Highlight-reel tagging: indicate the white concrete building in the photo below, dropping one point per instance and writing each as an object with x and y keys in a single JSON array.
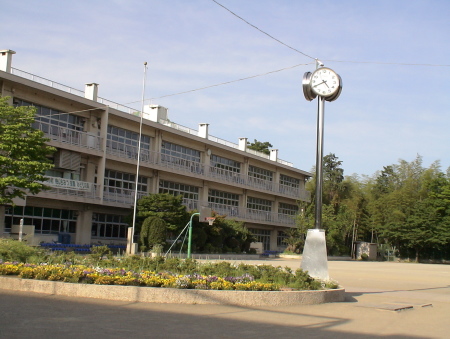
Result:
[{"x": 93, "y": 182}]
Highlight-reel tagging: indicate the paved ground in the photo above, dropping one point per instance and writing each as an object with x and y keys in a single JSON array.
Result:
[{"x": 374, "y": 291}]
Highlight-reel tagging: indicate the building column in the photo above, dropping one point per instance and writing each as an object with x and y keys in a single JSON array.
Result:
[
  {"x": 102, "y": 162},
  {"x": 84, "y": 227},
  {"x": 243, "y": 203},
  {"x": 273, "y": 240},
  {"x": 2, "y": 220},
  {"x": 203, "y": 194},
  {"x": 154, "y": 187}
]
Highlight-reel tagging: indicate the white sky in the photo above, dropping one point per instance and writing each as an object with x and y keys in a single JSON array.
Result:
[{"x": 386, "y": 112}]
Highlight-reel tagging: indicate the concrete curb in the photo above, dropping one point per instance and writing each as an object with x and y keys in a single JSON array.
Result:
[{"x": 173, "y": 295}]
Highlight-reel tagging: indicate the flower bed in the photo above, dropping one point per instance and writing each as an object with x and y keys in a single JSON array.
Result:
[{"x": 115, "y": 276}]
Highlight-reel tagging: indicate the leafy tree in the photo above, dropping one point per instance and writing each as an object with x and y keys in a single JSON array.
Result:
[
  {"x": 224, "y": 235},
  {"x": 260, "y": 146},
  {"x": 153, "y": 232},
  {"x": 23, "y": 153},
  {"x": 164, "y": 206},
  {"x": 412, "y": 214},
  {"x": 333, "y": 176}
]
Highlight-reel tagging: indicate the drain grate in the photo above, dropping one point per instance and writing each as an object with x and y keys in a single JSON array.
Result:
[
  {"x": 389, "y": 307},
  {"x": 397, "y": 306}
]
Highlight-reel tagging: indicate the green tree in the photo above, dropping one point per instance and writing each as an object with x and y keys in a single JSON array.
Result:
[
  {"x": 412, "y": 214},
  {"x": 23, "y": 153},
  {"x": 153, "y": 232},
  {"x": 224, "y": 235},
  {"x": 164, "y": 206},
  {"x": 260, "y": 146}
]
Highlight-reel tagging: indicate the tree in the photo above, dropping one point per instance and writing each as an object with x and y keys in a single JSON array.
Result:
[
  {"x": 23, "y": 153},
  {"x": 224, "y": 235},
  {"x": 260, "y": 146},
  {"x": 153, "y": 232},
  {"x": 164, "y": 206},
  {"x": 412, "y": 215}
]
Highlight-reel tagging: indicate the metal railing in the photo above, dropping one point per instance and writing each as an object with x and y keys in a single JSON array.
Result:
[
  {"x": 134, "y": 111},
  {"x": 77, "y": 189},
  {"x": 69, "y": 136},
  {"x": 178, "y": 127},
  {"x": 121, "y": 195},
  {"x": 130, "y": 152},
  {"x": 248, "y": 214},
  {"x": 183, "y": 165},
  {"x": 46, "y": 82}
]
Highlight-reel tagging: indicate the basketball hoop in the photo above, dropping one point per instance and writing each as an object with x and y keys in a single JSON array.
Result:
[{"x": 210, "y": 220}]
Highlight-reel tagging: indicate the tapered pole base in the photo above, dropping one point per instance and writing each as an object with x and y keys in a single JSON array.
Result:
[{"x": 314, "y": 259}]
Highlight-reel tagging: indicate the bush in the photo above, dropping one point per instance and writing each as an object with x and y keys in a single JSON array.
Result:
[
  {"x": 14, "y": 250},
  {"x": 364, "y": 257},
  {"x": 153, "y": 232},
  {"x": 163, "y": 272}
]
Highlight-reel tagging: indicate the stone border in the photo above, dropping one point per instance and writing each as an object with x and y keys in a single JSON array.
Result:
[{"x": 173, "y": 295}]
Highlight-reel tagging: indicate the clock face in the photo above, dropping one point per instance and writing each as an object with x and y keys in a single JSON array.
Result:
[{"x": 325, "y": 82}]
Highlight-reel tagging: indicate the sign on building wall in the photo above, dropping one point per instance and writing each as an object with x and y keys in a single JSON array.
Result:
[{"x": 69, "y": 184}]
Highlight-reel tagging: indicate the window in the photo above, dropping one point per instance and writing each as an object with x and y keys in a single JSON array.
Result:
[
  {"x": 224, "y": 202},
  {"x": 226, "y": 164},
  {"x": 119, "y": 181},
  {"x": 126, "y": 142},
  {"x": 289, "y": 181},
  {"x": 180, "y": 157},
  {"x": 287, "y": 209},
  {"x": 174, "y": 188},
  {"x": 259, "y": 204},
  {"x": 108, "y": 226},
  {"x": 262, "y": 236},
  {"x": 223, "y": 198},
  {"x": 260, "y": 173},
  {"x": 181, "y": 152},
  {"x": 54, "y": 122},
  {"x": 45, "y": 220},
  {"x": 281, "y": 239}
]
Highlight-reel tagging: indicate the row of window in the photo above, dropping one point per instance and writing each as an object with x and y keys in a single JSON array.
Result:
[
  {"x": 45, "y": 220},
  {"x": 54, "y": 221},
  {"x": 116, "y": 181},
  {"x": 47, "y": 116},
  {"x": 126, "y": 141},
  {"x": 50, "y": 121}
]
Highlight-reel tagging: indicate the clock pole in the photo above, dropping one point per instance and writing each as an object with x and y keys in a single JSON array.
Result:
[
  {"x": 319, "y": 162},
  {"x": 327, "y": 85}
]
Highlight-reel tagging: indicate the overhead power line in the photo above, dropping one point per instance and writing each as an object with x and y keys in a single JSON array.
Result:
[
  {"x": 270, "y": 36},
  {"x": 388, "y": 63},
  {"x": 349, "y": 61},
  {"x": 223, "y": 83}
]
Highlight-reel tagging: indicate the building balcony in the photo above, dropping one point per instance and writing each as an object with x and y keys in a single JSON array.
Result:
[
  {"x": 74, "y": 190},
  {"x": 69, "y": 136},
  {"x": 196, "y": 169},
  {"x": 247, "y": 214},
  {"x": 120, "y": 196}
]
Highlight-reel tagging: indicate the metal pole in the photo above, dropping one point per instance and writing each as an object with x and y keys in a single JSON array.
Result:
[
  {"x": 319, "y": 161},
  {"x": 190, "y": 236},
  {"x": 131, "y": 240}
]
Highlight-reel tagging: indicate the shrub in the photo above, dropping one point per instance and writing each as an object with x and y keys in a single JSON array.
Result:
[
  {"x": 153, "y": 232},
  {"x": 14, "y": 250}
]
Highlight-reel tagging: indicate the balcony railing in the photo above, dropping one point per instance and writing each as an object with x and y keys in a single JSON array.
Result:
[
  {"x": 69, "y": 187},
  {"x": 198, "y": 169},
  {"x": 121, "y": 195},
  {"x": 69, "y": 136},
  {"x": 133, "y": 111},
  {"x": 245, "y": 214}
]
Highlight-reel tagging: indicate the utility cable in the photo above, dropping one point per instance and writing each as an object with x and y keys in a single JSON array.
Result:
[
  {"x": 224, "y": 83},
  {"x": 270, "y": 36}
]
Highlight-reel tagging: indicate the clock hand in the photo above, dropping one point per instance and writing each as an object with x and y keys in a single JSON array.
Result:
[{"x": 321, "y": 83}]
